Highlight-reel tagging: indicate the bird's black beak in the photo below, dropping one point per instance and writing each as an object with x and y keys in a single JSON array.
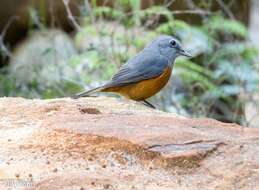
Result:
[{"x": 185, "y": 53}]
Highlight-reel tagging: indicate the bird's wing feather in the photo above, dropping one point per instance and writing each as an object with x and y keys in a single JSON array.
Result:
[{"x": 142, "y": 67}]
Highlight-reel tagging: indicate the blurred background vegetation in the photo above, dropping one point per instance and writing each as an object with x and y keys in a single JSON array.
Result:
[{"x": 58, "y": 48}]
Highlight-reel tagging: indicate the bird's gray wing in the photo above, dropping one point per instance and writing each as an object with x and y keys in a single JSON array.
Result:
[{"x": 143, "y": 66}]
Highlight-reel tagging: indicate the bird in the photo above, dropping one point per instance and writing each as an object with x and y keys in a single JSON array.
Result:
[{"x": 145, "y": 74}]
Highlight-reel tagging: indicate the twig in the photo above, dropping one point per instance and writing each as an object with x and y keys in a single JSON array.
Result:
[
  {"x": 52, "y": 15},
  {"x": 192, "y": 6},
  {"x": 168, "y": 3},
  {"x": 70, "y": 16},
  {"x": 89, "y": 10},
  {"x": 225, "y": 9},
  {"x": 2, "y": 36},
  {"x": 8, "y": 24},
  {"x": 200, "y": 12}
]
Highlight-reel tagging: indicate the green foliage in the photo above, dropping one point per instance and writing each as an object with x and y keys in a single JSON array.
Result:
[
  {"x": 194, "y": 73},
  {"x": 108, "y": 12},
  {"x": 155, "y": 10},
  {"x": 219, "y": 24},
  {"x": 229, "y": 67}
]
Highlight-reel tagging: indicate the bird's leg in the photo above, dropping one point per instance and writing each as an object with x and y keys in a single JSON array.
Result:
[{"x": 149, "y": 104}]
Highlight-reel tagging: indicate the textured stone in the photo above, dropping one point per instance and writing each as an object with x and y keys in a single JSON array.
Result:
[{"x": 104, "y": 143}]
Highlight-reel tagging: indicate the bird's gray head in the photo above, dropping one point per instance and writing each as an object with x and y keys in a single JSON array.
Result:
[{"x": 167, "y": 46}]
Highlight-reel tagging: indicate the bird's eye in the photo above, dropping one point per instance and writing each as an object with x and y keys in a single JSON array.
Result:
[{"x": 173, "y": 43}]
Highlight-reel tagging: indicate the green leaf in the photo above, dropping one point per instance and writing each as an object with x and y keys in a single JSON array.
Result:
[
  {"x": 193, "y": 73},
  {"x": 220, "y": 24}
]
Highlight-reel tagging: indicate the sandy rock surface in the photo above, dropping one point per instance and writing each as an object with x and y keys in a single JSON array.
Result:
[{"x": 104, "y": 143}]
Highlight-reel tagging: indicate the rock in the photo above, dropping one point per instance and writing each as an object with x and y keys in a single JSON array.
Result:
[
  {"x": 251, "y": 110},
  {"x": 104, "y": 143},
  {"x": 42, "y": 56},
  {"x": 42, "y": 61}
]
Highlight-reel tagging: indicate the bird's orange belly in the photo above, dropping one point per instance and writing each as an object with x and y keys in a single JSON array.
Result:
[{"x": 144, "y": 89}]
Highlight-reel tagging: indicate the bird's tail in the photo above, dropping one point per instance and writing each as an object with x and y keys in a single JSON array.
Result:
[{"x": 87, "y": 93}]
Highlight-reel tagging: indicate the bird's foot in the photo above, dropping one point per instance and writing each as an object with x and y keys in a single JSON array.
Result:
[{"x": 146, "y": 103}]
